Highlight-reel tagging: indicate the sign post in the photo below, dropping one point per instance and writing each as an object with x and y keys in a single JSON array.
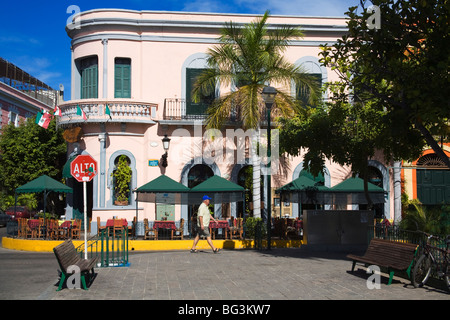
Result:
[{"x": 84, "y": 168}]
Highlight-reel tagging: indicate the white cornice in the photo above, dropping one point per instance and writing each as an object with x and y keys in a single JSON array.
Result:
[
  {"x": 130, "y": 37},
  {"x": 101, "y": 23}
]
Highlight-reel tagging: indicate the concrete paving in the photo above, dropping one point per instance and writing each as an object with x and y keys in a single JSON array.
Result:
[{"x": 279, "y": 274}]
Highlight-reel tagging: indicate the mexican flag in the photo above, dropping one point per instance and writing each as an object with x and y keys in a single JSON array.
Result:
[
  {"x": 57, "y": 111},
  {"x": 80, "y": 112},
  {"x": 43, "y": 119},
  {"x": 108, "y": 111}
]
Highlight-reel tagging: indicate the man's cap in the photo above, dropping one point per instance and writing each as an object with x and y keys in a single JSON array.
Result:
[{"x": 206, "y": 198}]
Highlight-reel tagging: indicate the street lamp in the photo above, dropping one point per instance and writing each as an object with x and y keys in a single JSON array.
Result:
[
  {"x": 166, "y": 144},
  {"x": 269, "y": 94}
]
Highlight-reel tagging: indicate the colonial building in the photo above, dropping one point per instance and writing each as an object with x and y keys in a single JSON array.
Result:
[{"x": 132, "y": 75}]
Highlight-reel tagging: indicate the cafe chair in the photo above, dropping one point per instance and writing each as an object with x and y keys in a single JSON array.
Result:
[
  {"x": 236, "y": 228},
  {"x": 76, "y": 229},
  {"x": 22, "y": 227},
  {"x": 149, "y": 233},
  {"x": 40, "y": 229},
  {"x": 179, "y": 231}
]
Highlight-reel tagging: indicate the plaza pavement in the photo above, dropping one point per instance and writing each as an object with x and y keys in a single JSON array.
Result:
[{"x": 235, "y": 275}]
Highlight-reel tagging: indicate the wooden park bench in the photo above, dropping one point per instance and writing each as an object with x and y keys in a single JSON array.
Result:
[
  {"x": 67, "y": 256},
  {"x": 395, "y": 256}
]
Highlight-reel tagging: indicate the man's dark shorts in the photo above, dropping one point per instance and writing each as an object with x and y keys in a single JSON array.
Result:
[{"x": 204, "y": 232}]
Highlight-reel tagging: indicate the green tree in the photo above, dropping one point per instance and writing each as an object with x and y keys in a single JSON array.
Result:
[
  {"x": 387, "y": 96},
  {"x": 29, "y": 151},
  {"x": 250, "y": 57},
  {"x": 400, "y": 67}
]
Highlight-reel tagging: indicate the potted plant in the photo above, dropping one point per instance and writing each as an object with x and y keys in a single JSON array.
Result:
[{"x": 122, "y": 179}]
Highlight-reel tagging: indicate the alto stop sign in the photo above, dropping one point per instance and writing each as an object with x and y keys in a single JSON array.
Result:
[{"x": 83, "y": 168}]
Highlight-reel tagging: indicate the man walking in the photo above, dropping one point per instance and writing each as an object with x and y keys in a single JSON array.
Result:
[{"x": 203, "y": 218}]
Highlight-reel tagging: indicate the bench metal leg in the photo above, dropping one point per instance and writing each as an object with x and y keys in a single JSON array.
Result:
[
  {"x": 61, "y": 282},
  {"x": 353, "y": 265},
  {"x": 391, "y": 276},
  {"x": 83, "y": 281}
]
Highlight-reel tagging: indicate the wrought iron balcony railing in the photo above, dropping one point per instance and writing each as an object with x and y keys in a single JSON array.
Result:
[
  {"x": 177, "y": 109},
  {"x": 96, "y": 111}
]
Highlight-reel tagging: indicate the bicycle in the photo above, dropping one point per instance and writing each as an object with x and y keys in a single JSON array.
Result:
[{"x": 427, "y": 261}]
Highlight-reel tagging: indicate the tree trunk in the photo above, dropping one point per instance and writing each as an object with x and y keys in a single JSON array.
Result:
[{"x": 256, "y": 162}]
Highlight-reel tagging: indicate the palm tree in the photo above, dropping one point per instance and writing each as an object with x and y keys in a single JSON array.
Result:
[{"x": 249, "y": 58}]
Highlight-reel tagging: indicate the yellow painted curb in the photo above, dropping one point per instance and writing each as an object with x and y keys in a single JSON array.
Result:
[{"x": 146, "y": 245}]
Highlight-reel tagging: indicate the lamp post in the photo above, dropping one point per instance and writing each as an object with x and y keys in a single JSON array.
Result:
[
  {"x": 166, "y": 144},
  {"x": 269, "y": 94}
]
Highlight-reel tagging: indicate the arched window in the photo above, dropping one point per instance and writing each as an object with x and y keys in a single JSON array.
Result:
[
  {"x": 198, "y": 174},
  {"x": 122, "y": 177}
]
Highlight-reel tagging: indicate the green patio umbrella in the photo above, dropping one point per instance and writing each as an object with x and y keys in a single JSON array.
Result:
[
  {"x": 162, "y": 190},
  {"x": 43, "y": 184},
  {"x": 219, "y": 189},
  {"x": 305, "y": 190},
  {"x": 352, "y": 190}
]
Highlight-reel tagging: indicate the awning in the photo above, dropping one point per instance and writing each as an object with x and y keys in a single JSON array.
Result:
[
  {"x": 305, "y": 190},
  {"x": 44, "y": 184},
  {"x": 66, "y": 168},
  {"x": 219, "y": 189},
  {"x": 162, "y": 190},
  {"x": 166, "y": 190},
  {"x": 352, "y": 191}
]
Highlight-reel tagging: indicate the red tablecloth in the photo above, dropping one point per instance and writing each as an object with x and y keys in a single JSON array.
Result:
[
  {"x": 66, "y": 224},
  {"x": 33, "y": 223},
  {"x": 164, "y": 225},
  {"x": 110, "y": 222},
  {"x": 219, "y": 224}
]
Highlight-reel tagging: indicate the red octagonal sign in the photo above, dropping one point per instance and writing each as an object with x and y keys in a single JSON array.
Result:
[{"x": 83, "y": 168}]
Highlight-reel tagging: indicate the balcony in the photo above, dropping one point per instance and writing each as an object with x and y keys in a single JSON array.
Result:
[
  {"x": 176, "y": 113},
  {"x": 175, "y": 109},
  {"x": 121, "y": 111}
]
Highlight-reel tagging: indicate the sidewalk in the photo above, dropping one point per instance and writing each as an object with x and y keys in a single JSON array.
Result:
[{"x": 279, "y": 274}]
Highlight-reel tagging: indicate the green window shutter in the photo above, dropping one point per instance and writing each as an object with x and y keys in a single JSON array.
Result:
[
  {"x": 122, "y": 78},
  {"x": 193, "y": 108},
  {"x": 89, "y": 78},
  {"x": 433, "y": 186},
  {"x": 303, "y": 93}
]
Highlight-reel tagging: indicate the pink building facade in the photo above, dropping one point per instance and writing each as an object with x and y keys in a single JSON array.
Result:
[{"x": 140, "y": 64}]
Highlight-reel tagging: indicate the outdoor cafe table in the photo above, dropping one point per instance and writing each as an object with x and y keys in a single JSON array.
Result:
[
  {"x": 33, "y": 225},
  {"x": 113, "y": 224},
  {"x": 64, "y": 229},
  {"x": 220, "y": 224},
  {"x": 165, "y": 225}
]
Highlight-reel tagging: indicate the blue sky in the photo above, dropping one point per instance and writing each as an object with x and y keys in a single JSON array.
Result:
[{"x": 33, "y": 37}]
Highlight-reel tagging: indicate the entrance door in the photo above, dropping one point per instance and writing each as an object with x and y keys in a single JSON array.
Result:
[{"x": 198, "y": 174}]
